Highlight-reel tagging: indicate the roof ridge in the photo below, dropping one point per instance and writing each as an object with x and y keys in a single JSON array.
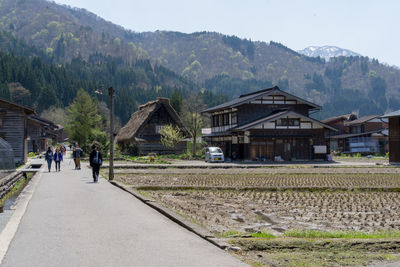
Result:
[
  {"x": 158, "y": 100},
  {"x": 260, "y": 91}
]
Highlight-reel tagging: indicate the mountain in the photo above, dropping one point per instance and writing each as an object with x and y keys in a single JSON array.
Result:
[
  {"x": 327, "y": 51},
  {"x": 222, "y": 64}
]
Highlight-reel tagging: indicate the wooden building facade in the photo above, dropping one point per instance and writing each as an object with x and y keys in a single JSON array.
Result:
[
  {"x": 394, "y": 136},
  {"x": 42, "y": 133},
  {"x": 144, "y": 127},
  {"x": 366, "y": 135},
  {"x": 14, "y": 128},
  {"x": 268, "y": 125}
]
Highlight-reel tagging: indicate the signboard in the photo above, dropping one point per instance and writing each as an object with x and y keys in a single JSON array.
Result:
[{"x": 320, "y": 149}]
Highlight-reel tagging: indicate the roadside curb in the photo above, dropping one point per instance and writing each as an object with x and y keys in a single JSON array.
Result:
[{"x": 192, "y": 227}]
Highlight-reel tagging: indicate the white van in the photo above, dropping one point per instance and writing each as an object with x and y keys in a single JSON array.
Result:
[{"x": 214, "y": 154}]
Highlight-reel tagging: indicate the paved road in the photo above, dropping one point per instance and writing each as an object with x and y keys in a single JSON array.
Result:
[{"x": 71, "y": 221}]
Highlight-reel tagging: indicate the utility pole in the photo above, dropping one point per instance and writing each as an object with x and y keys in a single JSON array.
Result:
[{"x": 111, "y": 92}]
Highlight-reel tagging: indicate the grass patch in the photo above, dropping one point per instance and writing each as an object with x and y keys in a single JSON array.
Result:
[
  {"x": 263, "y": 235},
  {"x": 324, "y": 252},
  {"x": 145, "y": 194},
  {"x": 147, "y": 159},
  {"x": 228, "y": 233},
  {"x": 18, "y": 187},
  {"x": 316, "y": 259},
  {"x": 341, "y": 234},
  {"x": 234, "y": 233}
]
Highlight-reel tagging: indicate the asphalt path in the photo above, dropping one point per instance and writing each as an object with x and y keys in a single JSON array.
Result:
[{"x": 71, "y": 221}]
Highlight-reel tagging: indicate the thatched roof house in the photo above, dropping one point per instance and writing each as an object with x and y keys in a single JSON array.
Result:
[{"x": 143, "y": 128}]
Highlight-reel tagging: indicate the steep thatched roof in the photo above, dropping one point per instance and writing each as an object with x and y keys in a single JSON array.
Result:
[{"x": 140, "y": 118}]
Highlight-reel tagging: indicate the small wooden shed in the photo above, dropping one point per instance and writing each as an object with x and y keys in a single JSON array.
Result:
[
  {"x": 394, "y": 136},
  {"x": 143, "y": 129}
]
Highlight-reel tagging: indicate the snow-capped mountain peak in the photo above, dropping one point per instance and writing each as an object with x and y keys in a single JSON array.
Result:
[{"x": 327, "y": 52}]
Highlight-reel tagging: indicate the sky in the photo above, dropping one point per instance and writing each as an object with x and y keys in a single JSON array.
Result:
[{"x": 370, "y": 28}]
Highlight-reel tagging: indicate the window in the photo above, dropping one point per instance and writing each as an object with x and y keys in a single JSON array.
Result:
[
  {"x": 294, "y": 122},
  {"x": 221, "y": 120},
  {"x": 288, "y": 122},
  {"x": 226, "y": 119},
  {"x": 215, "y": 120},
  {"x": 215, "y": 150},
  {"x": 2, "y": 117},
  {"x": 234, "y": 118},
  {"x": 159, "y": 128}
]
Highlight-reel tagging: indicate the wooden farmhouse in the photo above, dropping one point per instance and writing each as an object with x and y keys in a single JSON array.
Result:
[
  {"x": 366, "y": 135},
  {"x": 144, "y": 127},
  {"x": 14, "y": 128},
  {"x": 268, "y": 125},
  {"x": 394, "y": 136}
]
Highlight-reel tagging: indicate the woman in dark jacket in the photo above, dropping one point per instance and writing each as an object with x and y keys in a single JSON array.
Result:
[
  {"x": 95, "y": 162},
  {"x": 58, "y": 157},
  {"x": 49, "y": 157}
]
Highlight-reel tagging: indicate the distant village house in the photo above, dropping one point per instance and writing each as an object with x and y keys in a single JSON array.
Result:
[
  {"x": 268, "y": 125},
  {"x": 366, "y": 135},
  {"x": 394, "y": 136},
  {"x": 144, "y": 128}
]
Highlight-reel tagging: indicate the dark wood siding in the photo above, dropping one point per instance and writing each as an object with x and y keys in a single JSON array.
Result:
[
  {"x": 13, "y": 130},
  {"x": 394, "y": 140},
  {"x": 250, "y": 112}
]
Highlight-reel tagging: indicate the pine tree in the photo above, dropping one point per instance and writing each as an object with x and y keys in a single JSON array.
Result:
[
  {"x": 176, "y": 101},
  {"x": 47, "y": 98},
  {"x": 4, "y": 92},
  {"x": 83, "y": 118}
]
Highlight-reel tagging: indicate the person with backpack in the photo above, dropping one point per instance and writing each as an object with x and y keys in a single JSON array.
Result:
[
  {"x": 49, "y": 157},
  {"x": 96, "y": 160},
  {"x": 78, "y": 155},
  {"x": 58, "y": 157}
]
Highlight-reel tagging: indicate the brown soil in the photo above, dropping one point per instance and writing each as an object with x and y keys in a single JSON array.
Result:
[
  {"x": 279, "y": 211},
  {"x": 265, "y": 180},
  {"x": 276, "y": 170}
]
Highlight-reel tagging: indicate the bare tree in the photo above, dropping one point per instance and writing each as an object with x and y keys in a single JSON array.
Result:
[
  {"x": 56, "y": 115},
  {"x": 193, "y": 105}
]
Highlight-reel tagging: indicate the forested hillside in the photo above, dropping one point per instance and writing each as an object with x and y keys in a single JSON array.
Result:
[
  {"x": 225, "y": 65},
  {"x": 232, "y": 66},
  {"x": 33, "y": 82}
]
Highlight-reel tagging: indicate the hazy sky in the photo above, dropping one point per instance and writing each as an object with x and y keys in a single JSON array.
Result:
[{"x": 368, "y": 27}]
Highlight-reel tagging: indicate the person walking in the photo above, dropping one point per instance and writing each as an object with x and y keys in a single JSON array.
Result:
[
  {"x": 49, "y": 157},
  {"x": 78, "y": 155},
  {"x": 74, "y": 157},
  {"x": 58, "y": 157},
  {"x": 96, "y": 160}
]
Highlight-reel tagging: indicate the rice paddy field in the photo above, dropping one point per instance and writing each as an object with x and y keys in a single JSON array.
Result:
[{"x": 287, "y": 216}]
